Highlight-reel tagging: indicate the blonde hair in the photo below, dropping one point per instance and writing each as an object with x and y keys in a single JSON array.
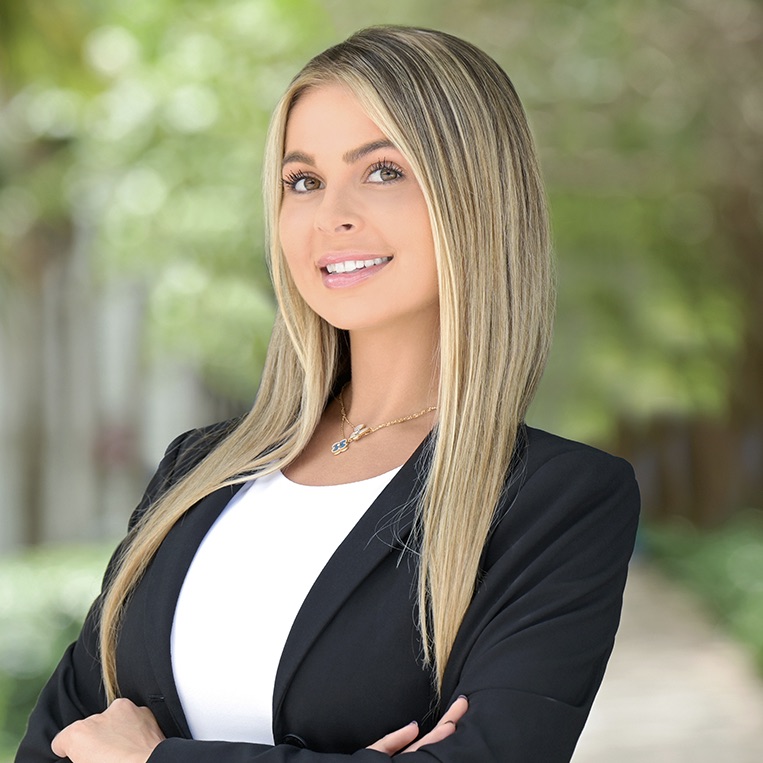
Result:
[{"x": 454, "y": 114}]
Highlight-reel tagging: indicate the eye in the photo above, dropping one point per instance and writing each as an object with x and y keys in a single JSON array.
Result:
[
  {"x": 384, "y": 171},
  {"x": 301, "y": 182}
]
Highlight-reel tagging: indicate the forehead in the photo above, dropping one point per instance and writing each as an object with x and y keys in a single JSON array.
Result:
[{"x": 329, "y": 116}]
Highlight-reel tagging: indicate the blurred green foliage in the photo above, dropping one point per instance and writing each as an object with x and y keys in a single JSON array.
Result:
[
  {"x": 44, "y": 596},
  {"x": 151, "y": 131},
  {"x": 141, "y": 125},
  {"x": 724, "y": 567}
]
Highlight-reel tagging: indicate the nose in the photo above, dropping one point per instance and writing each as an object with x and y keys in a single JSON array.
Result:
[{"x": 337, "y": 213}]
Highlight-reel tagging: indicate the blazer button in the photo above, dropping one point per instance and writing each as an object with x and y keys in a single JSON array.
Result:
[{"x": 294, "y": 740}]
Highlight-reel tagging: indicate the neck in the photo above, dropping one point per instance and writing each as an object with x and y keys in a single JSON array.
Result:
[{"x": 393, "y": 373}]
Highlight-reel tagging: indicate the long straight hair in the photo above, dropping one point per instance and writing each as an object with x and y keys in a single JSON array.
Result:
[{"x": 455, "y": 116}]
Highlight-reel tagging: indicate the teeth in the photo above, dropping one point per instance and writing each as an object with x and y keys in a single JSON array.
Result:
[{"x": 348, "y": 266}]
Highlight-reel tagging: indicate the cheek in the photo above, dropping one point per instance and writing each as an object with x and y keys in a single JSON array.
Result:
[
  {"x": 292, "y": 236},
  {"x": 285, "y": 225}
]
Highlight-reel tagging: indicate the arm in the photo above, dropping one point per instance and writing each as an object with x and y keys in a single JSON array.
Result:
[
  {"x": 74, "y": 690},
  {"x": 533, "y": 647},
  {"x": 128, "y": 734}
]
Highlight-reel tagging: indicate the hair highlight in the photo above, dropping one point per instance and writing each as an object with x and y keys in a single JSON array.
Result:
[{"x": 454, "y": 114}]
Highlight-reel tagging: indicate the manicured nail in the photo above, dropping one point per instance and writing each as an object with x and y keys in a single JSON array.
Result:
[
  {"x": 413, "y": 723},
  {"x": 462, "y": 696}
]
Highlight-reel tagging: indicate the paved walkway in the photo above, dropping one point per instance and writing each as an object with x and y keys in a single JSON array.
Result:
[{"x": 677, "y": 690}]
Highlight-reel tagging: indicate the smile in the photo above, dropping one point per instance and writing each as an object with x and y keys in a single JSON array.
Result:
[{"x": 348, "y": 266}]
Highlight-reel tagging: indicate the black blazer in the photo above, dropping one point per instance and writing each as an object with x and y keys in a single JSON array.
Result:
[{"x": 530, "y": 654}]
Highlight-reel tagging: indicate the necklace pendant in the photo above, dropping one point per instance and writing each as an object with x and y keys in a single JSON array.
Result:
[
  {"x": 358, "y": 432},
  {"x": 340, "y": 446}
]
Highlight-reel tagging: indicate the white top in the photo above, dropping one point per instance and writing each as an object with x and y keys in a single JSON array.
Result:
[{"x": 243, "y": 590}]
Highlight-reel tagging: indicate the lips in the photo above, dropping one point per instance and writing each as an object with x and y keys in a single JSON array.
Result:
[
  {"x": 340, "y": 271},
  {"x": 348, "y": 266}
]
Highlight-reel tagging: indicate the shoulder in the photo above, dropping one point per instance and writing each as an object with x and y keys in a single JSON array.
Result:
[
  {"x": 189, "y": 448},
  {"x": 184, "y": 453},
  {"x": 562, "y": 460},
  {"x": 556, "y": 483}
]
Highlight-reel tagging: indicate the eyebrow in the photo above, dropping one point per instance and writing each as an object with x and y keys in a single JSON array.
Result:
[
  {"x": 348, "y": 158},
  {"x": 358, "y": 153}
]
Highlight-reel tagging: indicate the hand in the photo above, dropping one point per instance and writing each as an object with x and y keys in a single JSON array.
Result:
[
  {"x": 406, "y": 736},
  {"x": 123, "y": 733}
]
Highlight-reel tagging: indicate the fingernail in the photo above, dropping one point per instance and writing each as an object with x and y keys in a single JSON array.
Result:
[
  {"x": 413, "y": 723},
  {"x": 462, "y": 696}
]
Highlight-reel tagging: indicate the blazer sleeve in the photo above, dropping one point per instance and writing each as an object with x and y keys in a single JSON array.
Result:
[
  {"x": 542, "y": 625},
  {"x": 74, "y": 691},
  {"x": 532, "y": 649}
]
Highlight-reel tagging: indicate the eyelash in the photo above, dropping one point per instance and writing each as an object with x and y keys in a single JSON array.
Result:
[
  {"x": 386, "y": 164},
  {"x": 291, "y": 180}
]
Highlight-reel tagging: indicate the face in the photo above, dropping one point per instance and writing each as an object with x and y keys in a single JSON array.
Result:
[{"x": 354, "y": 225}]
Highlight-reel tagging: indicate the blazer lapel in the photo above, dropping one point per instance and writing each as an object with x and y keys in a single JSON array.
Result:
[
  {"x": 378, "y": 533},
  {"x": 164, "y": 580}
]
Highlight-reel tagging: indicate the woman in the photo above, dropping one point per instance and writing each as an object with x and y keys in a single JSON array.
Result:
[{"x": 381, "y": 540}]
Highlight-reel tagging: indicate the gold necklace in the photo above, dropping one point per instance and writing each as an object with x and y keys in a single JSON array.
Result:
[{"x": 361, "y": 430}]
